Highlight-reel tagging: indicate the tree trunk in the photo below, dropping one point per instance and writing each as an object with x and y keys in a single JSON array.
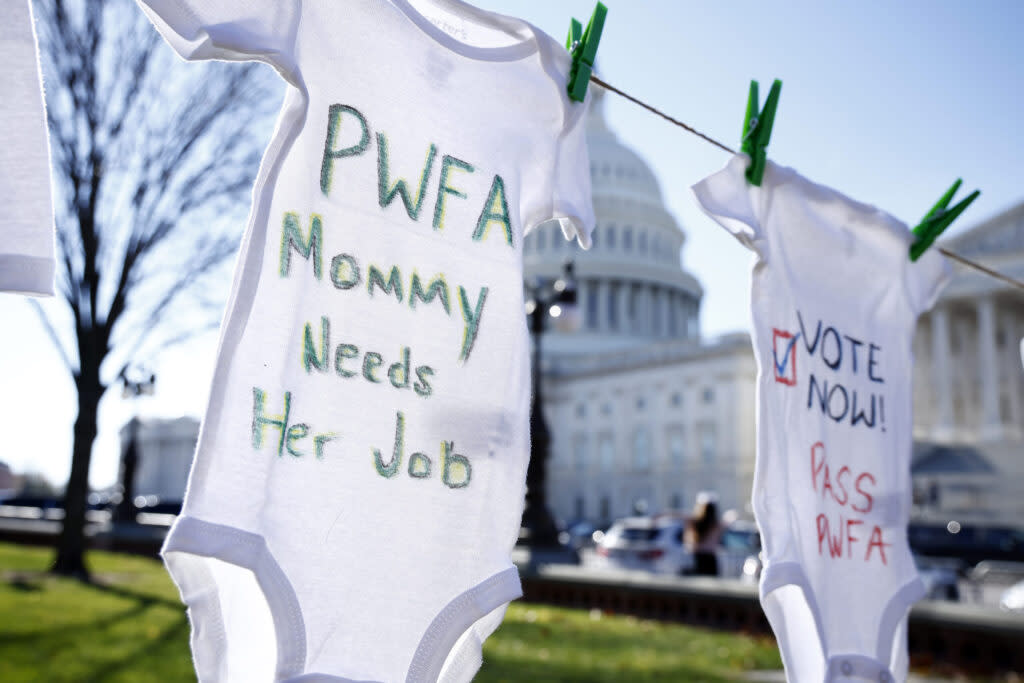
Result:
[{"x": 70, "y": 560}]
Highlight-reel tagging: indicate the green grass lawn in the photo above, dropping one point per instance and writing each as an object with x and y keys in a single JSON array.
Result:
[{"x": 130, "y": 626}]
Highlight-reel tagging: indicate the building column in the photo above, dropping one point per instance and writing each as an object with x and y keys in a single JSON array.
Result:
[
  {"x": 672, "y": 314},
  {"x": 942, "y": 374},
  {"x": 667, "y": 298},
  {"x": 991, "y": 423},
  {"x": 604, "y": 290},
  {"x": 640, "y": 310},
  {"x": 692, "y": 319},
  {"x": 623, "y": 306},
  {"x": 646, "y": 305},
  {"x": 657, "y": 322},
  {"x": 1011, "y": 356},
  {"x": 655, "y": 308},
  {"x": 584, "y": 289}
]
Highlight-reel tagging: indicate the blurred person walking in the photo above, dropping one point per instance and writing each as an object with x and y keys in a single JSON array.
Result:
[{"x": 703, "y": 534}]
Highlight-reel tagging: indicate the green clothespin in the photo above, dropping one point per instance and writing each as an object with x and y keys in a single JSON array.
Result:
[
  {"x": 757, "y": 130},
  {"x": 582, "y": 46},
  {"x": 938, "y": 219}
]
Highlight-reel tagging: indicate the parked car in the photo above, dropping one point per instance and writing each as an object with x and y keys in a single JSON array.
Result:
[
  {"x": 740, "y": 540},
  {"x": 579, "y": 535},
  {"x": 939, "y": 576},
  {"x": 969, "y": 543},
  {"x": 653, "y": 544}
]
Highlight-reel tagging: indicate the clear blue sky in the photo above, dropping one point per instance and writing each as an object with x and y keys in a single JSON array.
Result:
[{"x": 887, "y": 102}]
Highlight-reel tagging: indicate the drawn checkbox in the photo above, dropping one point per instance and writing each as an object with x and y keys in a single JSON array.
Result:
[{"x": 785, "y": 364}]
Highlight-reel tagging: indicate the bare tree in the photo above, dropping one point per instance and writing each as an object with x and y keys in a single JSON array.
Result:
[{"x": 153, "y": 161}]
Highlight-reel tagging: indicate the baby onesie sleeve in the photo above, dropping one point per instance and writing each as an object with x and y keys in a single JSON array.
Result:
[
  {"x": 726, "y": 197},
  {"x": 572, "y": 204},
  {"x": 926, "y": 278},
  {"x": 26, "y": 228},
  {"x": 227, "y": 29}
]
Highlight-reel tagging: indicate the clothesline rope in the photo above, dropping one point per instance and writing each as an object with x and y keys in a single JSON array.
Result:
[{"x": 690, "y": 129}]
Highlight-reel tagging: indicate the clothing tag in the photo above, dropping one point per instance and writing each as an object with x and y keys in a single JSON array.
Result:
[{"x": 453, "y": 26}]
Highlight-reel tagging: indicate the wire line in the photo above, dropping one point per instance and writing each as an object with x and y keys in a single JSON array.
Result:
[{"x": 690, "y": 129}]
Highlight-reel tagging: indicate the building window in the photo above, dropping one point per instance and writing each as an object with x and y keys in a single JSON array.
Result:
[
  {"x": 606, "y": 452},
  {"x": 673, "y": 319},
  {"x": 581, "y": 410},
  {"x": 676, "y": 503},
  {"x": 580, "y": 507},
  {"x": 641, "y": 243},
  {"x": 676, "y": 399},
  {"x": 579, "y": 451},
  {"x": 709, "y": 395},
  {"x": 641, "y": 403},
  {"x": 627, "y": 239},
  {"x": 606, "y": 509},
  {"x": 641, "y": 449},
  {"x": 606, "y": 409},
  {"x": 676, "y": 446},
  {"x": 708, "y": 443},
  {"x": 611, "y": 236}
]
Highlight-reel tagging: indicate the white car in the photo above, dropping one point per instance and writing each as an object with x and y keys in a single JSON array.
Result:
[
  {"x": 653, "y": 544},
  {"x": 740, "y": 540}
]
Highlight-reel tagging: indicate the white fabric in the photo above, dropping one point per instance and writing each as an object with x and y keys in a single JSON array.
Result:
[
  {"x": 26, "y": 227},
  {"x": 835, "y": 299},
  {"x": 371, "y": 570}
]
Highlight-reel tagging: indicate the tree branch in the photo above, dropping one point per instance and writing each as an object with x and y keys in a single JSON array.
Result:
[{"x": 52, "y": 334}]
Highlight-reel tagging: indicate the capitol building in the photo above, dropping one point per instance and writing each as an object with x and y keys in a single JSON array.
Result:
[{"x": 645, "y": 413}]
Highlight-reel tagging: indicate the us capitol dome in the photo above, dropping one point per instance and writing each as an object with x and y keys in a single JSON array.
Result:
[{"x": 631, "y": 287}]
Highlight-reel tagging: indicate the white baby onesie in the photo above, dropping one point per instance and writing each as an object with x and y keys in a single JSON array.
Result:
[
  {"x": 26, "y": 228},
  {"x": 835, "y": 299},
  {"x": 359, "y": 479}
]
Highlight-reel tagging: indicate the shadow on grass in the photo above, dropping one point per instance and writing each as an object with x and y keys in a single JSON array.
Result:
[
  {"x": 105, "y": 621},
  {"x": 499, "y": 668},
  {"x": 22, "y": 586},
  {"x": 577, "y": 652},
  {"x": 96, "y": 631},
  {"x": 144, "y": 598},
  {"x": 24, "y": 583},
  {"x": 165, "y": 645}
]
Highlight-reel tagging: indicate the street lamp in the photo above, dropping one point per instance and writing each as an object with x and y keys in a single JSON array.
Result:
[
  {"x": 555, "y": 299},
  {"x": 125, "y": 510}
]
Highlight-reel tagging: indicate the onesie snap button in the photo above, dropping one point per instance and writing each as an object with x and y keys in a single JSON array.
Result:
[{"x": 846, "y": 668}]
